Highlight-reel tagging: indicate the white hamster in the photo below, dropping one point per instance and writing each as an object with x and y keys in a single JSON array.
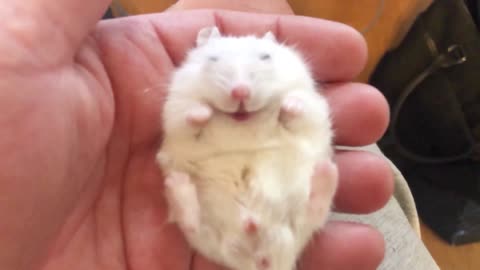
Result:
[{"x": 244, "y": 129}]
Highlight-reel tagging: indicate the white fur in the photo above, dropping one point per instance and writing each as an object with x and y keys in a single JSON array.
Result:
[{"x": 260, "y": 169}]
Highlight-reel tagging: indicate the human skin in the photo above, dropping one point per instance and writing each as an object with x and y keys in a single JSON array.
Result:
[{"x": 81, "y": 123}]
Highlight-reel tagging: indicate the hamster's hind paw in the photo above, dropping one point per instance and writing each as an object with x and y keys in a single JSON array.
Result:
[
  {"x": 199, "y": 115},
  {"x": 182, "y": 200},
  {"x": 324, "y": 186},
  {"x": 163, "y": 159}
]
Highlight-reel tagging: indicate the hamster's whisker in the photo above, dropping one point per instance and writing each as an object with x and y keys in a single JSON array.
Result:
[
  {"x": 222, "y": 80},
  {"x": 221, "y": 85}
]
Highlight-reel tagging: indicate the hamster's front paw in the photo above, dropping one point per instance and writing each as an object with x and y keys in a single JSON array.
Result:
[
  {"x": 199, "y": 115},
  {"x": 291, "y": 110},
  {"x": 292, "y": 106}
]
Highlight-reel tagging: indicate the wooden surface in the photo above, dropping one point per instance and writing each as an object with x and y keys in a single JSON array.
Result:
[
  {"x": 451, "y": 257},
  {"x": 144, "y": 6},
  {"x": 395, "y": 18}
]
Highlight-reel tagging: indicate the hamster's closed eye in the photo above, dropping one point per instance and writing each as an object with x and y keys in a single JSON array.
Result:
[
  {"x": 213, "y": 58},
  {"x": 265, "y": 56}
]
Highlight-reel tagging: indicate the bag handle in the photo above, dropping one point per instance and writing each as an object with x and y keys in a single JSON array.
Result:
[{"x": 454, "y": 55}]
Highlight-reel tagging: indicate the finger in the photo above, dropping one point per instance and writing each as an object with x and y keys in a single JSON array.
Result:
[
  {"x": 335, "y": 51},
  {"x": 366, "y": 182},
  {"x": 54, "y": 26},
  {"x": 360, "y": 113},
  {"x": 344, "y": 246},
  {"x": 201, "y": 263}
]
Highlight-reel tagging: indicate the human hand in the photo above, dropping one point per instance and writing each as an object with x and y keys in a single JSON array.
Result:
[{"x": 80, "y": 127}]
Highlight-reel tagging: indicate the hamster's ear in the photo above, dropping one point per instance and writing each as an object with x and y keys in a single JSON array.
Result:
[
  {"x": 270, "y": 36},
  {"x": 207, "y": 33}
]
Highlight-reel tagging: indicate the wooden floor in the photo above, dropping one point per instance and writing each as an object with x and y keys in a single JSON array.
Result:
[{"x": 451, "y": 257}]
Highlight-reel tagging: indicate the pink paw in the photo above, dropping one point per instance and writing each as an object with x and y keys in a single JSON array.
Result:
[
  {"x": 182, "y": 201},
  {"x": 177, "y": 179},
  {"x": 324, "y": 185},
  {"x": 163, "y": 159},
  {"x": 292, "y": 106},
  {"x": 324, "y": 181},
  {"x": 199, "y": 115}
]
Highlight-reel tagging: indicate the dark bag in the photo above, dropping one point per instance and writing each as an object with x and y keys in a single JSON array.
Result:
[
  {"x": 474, "y": 8},
  {"x": 432, "y": 83}
]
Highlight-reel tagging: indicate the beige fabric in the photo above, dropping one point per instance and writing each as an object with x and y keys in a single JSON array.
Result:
[
  {"x": 399, "y": 223},
  {"x": 405, "y": 200},
  {"x": 404, "y": 248},
  {"x": 402, "y": 192}
]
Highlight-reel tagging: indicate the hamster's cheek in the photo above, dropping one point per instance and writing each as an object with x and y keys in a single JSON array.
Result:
[
  {"x": 256, "y": 102},
  {"x": 223, "y": 105}
]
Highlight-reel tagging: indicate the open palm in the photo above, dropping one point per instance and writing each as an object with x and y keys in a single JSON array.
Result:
[{"x": 80, "y": 124}]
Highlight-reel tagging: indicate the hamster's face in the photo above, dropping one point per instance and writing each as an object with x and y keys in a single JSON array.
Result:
[{"x": 241, "y": 75}]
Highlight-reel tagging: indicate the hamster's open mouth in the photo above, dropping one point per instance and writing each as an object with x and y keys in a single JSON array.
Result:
[{"x": 241, "y": 114}]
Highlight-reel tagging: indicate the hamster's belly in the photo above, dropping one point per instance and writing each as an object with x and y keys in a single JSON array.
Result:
[
  {"x": 275, "y": 173},
  {"x": 270, "y": 185}
]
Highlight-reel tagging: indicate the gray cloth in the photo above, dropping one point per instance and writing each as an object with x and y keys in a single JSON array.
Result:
[{"x": 398, "y": 222}]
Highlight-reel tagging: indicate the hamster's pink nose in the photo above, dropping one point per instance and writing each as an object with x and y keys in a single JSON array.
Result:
[{"x": 240, "y": 93}]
